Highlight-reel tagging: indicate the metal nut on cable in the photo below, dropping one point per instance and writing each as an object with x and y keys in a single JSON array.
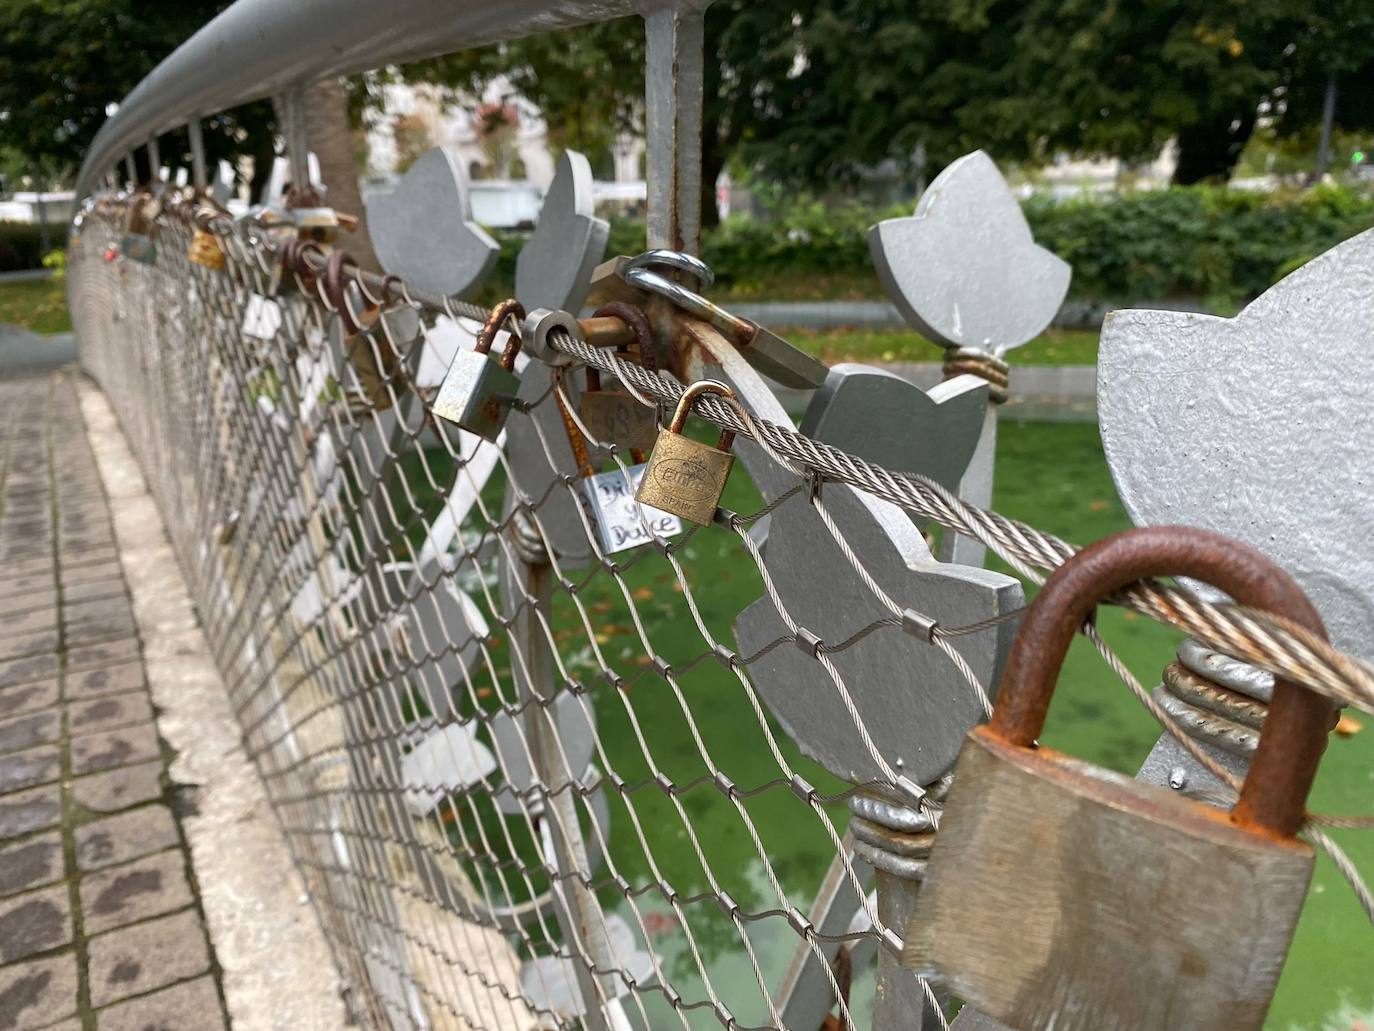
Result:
[{"x": 535, "y": 331}]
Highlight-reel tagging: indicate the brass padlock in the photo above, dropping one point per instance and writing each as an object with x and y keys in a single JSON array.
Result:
[
  {"x": 1059, "y": 894},
  {"x": 206, "y": 250},
  {"x": 615, "y": 416},
  {"x": 137, "y": 242},
  {"x": 685, "y": 477},
  {"x": 477, "y": 390}
]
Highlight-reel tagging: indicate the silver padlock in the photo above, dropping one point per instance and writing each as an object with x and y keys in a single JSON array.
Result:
[{"x": 478, "y": 390}]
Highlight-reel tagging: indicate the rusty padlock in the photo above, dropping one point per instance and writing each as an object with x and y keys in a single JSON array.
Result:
[
  {"x": 685, "y": 477},
  {"x": 615, "y": 416},
  {"x": 1059, "y": 894},
  {"x": 477, "y": 391},
  {"x": 376, "y": 366},
  {"x": 138, "y": 242}
]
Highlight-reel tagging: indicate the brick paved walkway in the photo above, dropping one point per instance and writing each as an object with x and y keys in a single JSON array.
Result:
[{"x": 100, "y": 925}]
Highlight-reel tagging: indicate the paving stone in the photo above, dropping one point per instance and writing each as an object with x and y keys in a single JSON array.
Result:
[
  {"x": 11, "y": 585},
  {"x": 25, "y": 645},
  {"x": 29, "y": 864},
  {"x": 31, "y": 810},
  {"x": 29, "y": 669},
  {"x": 92, "y": 633},
  {"x": 92, "y": 683},
  {"x": 192, "y": 1006},
  {"x": 120, "y": 788},
  {"x": 35, "y": 921},
  {"x": 134, "y": 891},
  {"x": 94, "y": 752},
  {"x": 90, "y": 590},
  {"x": 97, "y": 609},
  {"x": 100, "y": 554},
  {"x": 27, "y": 697},
  {"x": 32, "y": 622},
  {"x": 103, "y": 654},
  {"x": 109, "y": 712},
  {"x": 34, "y": 994},
  {"x": 138, "y": 959},
  {"x": 82, "y": 571},
  {"x": 117, "y": 839},
  {"x": 28, "y": 769},
  {"x": 34, "y": 728},
  {"x": 30, "y": 566}
]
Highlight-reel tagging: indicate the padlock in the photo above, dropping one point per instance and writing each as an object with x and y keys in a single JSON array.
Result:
[
  {"x": 376, "y": 368},
  {"x": 1059, "y": 894},
  {"x": 477, "y": 391},
  {"x": 685, "y": 477},
  {"x": 615, "y": 416},
  {"x": 206, "y": 250},
  {"x": 137, "y": 242}
]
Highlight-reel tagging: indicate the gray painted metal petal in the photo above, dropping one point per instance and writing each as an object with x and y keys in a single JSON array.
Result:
[
  {"x": 964, "y": 270},
  {"x": 1259, "y": 427},
  {"x": 422, "y": 228},
  {"x": 556, "y": 265},
  {"x": 913, "y": 702},
  {"x": 886, "y": 419}
]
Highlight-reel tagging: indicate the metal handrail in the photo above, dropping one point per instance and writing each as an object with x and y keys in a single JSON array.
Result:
[{"x": 258, "y": 48}]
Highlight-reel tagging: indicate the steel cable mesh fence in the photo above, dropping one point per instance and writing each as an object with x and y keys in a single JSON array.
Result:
[{"x": 517, "y": 773}]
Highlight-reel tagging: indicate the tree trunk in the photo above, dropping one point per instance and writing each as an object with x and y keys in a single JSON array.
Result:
[
  {"x": 1208, "y": 151},
  {"x": 331, "y": 138}
]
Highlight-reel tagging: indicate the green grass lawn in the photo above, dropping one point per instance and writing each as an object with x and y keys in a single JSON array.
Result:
[
  {"x": 42, "y": 307},
  {"x": 1051, "y": 475},
  {"x": 1053, "y": 347},
  {"x": 38, "y": 305}
]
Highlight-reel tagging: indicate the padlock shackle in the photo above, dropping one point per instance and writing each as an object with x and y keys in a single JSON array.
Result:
[
  {"x": 1273, "y": 798},
  {"x": 689, "y": 397},
  {"x": 638, "y": 324},
  {"x": 335, "y": 289},
  {"x": 497, "y": 319}
]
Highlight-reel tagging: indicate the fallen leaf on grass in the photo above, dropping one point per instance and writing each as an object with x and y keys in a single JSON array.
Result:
[{"x": 1348, "y": 726}]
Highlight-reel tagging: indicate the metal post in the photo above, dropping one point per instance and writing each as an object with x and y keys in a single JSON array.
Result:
[
  {"x": 132, "y": 168},
  {"x": 976, "y": 488},
  {"x": 1328, "y": 117},
  {"x": 44, "y": 241},
  {"x": 675, "y": 34},
  {"x": 583, "y": 922},
  {"x": 198, "y": 177},
  {"x": 154, "y": 161},
  {"x": 297, "y": 142}
]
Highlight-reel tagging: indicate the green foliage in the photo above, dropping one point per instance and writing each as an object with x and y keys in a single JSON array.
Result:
[
  {"x": 1220, "y": 245},
  {"x": 62, "y": 62},
  {"x": 56, "y": 263},
  {"x": 1210, "y": 242}
]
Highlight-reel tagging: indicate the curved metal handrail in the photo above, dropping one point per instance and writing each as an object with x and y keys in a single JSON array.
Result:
[{"x": 257, "y": 48}]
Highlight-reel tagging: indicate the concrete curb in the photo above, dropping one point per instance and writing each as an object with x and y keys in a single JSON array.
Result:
[{"x": 278, "y": 972}]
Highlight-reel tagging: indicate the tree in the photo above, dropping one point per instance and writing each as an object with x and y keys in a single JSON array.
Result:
[
  {"x": 64, "y": 62},
  {"x": 818, "y": 94},
  {"x": 1027, "y": 78}
]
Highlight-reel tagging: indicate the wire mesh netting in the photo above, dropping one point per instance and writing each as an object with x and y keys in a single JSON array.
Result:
[
  {"x": 534, "y": 777},
  {"x": 518, "y": 771}
]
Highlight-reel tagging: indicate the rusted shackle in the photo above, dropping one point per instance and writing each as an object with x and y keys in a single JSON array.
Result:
[{"x": 1274, "y": 796}]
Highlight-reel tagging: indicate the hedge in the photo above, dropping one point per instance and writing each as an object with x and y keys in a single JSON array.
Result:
[
  {"x": 1208, "y": 242},
  {"x": 21, "y": 245}
]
